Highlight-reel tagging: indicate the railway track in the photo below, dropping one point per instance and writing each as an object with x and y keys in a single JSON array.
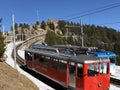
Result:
[
  {"x": 20, "y": 61},
  {"x": 115, "y": 81}
]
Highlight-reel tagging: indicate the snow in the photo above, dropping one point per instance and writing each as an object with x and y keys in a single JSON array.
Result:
[
  {"x": 117, "y": 72},
  {"x": 40, "y": 84},
  {"x": 10, "y": 61},
  {"x": 112, "y": 87}
]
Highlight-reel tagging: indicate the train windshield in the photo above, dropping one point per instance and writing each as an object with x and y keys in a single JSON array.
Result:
[
  {"x": 94, "y": 70},
  {"x": 103, "y": 68},
  {"x": 112, "y": 59}
]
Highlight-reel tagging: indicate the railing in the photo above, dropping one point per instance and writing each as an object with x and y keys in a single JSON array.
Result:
[{"x": 28, "y": 42}]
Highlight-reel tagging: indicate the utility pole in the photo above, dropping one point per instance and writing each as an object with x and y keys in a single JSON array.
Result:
[
  {"x": 81, "y": 31},
  {"x": 3, "y": 30},
  {"x": 14, "y": 46},
  {"x": 37, "y": 15},
  {"x": 6, "y": 38},
  {"x": 82, "y": 34}
]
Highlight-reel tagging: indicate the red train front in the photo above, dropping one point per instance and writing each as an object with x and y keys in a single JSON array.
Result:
[
  {"x": 82, "y": 72},
  {"x": 95, "y": 76}
]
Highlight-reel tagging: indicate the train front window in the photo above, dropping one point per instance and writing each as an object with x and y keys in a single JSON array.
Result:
[
  {"x": 103, "y": 68},
  {"x": 93, "y": 70},
  {"x": 112, "y": 59}
]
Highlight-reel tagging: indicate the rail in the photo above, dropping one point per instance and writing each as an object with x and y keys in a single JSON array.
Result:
[
  {"x": 20, "y": 61},
  {"x": 114, "y": 81}
]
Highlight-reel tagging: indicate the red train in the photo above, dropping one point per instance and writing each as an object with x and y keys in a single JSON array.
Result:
[{"x": 81, "y": 72}]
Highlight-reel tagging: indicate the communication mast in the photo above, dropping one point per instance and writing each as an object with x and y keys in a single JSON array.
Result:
[
  {"x": 82, "y": 34},
  {"x": 37, "y": 15}
]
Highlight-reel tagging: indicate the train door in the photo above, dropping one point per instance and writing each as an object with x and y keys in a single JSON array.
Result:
[
  {"x": 33, "y": 61},
  {"x": 79, "y": 77},
  {"x": 72, "y": 70},
  {"x": 28, "y": 57}
]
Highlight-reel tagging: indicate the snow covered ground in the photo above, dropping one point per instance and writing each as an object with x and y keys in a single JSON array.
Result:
[
  {"x": 40, "y": 84},
  {"x": 117, "y": 72}
]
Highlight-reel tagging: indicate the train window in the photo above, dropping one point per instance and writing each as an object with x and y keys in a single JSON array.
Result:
[
  {"x": 36, "y": 58},
  {"x": 80, "y": 70},
  {"x": 62, "y": 65},
  {"x": 72, "y": 67},
  {"x": 112, "y": 59},
  {"x": 54, "y": 63},
  {"x": 93, "y": 70},
  {"x": 103, "y": 68},
  {"x": 48, "y": 61},
  {"x": 42, "y": 59},
  {"x": 29, "y": 56}
]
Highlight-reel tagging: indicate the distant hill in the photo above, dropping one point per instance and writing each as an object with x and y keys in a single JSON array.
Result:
[{"x": 94, "y": 36}]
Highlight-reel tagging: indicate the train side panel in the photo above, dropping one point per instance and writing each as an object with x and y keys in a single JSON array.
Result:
[
  {"x": 87, "y": 73},
  {"x": 49, "y": 67}
]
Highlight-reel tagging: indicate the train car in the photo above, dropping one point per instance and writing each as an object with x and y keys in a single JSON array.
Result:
[
  {"x": 111, "y": 56},
  {"x": 82, "y": 72},
  {"x": 95, "y": 52},
  {"x": 77, "y": 50}
]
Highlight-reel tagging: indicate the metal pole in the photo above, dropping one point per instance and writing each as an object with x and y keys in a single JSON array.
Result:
[
  {"x": 37, "y": 15},
  {"x": 3, "y": 30},
  {"x": 82, "y": 39},
  {"x": 14, "y": 46},
  {"x": 22, "y": 38},
  {"x": 5, "y": 38}
]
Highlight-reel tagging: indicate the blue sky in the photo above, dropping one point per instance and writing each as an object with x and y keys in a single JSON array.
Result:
[{"x": 26, "y": 11}]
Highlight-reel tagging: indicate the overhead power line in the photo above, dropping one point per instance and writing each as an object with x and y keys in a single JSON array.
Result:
[
  {"x": 90, "y": 12},
  {"x": 110, "y": 23},
  {"x": 98, "y": 11}
]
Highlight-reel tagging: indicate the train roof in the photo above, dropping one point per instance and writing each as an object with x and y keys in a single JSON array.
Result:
[
  {"x": 103, "y": 53},
  {"x": 66, "y": 46},
  {"x": 79, "y": 58},
  {"x": 74, "y": 47},
  {"x": 88, "y": 59}
]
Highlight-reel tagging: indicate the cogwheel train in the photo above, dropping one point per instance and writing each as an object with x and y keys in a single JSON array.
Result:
[
  {"x": 94, "y": 51},
  {"x": 81, "y": 72}
]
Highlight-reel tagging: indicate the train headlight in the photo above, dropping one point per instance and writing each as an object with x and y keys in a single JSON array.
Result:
[{"x": 99, "y": 84}]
